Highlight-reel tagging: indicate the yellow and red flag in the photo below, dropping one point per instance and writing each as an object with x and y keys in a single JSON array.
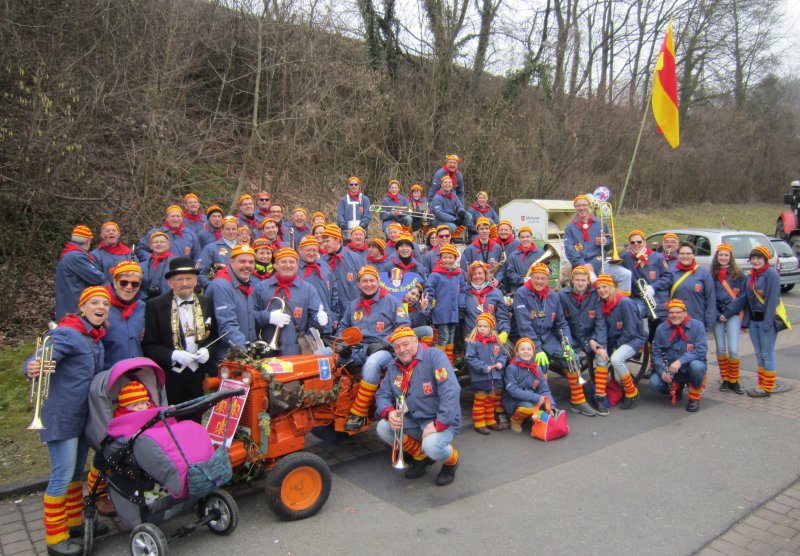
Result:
[{"x": 665, "y": 91}]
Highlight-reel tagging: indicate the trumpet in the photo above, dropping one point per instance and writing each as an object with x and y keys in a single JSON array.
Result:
[
  {"x": 40, "y": 386},
  {"x": 397, "y": 444},
  {"x": 642, "y": 284},
  {"x": 272, "y": 345},
  {"x": 573, "y": 365}
]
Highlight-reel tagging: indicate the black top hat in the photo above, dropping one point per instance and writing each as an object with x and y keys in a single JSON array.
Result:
[{"x": 181, "y": 265}]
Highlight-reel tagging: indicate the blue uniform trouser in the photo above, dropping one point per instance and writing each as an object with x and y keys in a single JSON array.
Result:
[
  {"x": 67, "y": 458},
  {"x": 438, "y": 445},
  {"x": 726, "y": 336},
  {"x": 763, "y": 335},
  {"x": 375, "y": 363},
  {"x": 694, "y": 374}
]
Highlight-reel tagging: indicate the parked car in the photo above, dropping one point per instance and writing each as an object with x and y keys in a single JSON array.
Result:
[
  {"x": 706, "y": 241},
  {"x": 788, "y": 265}
]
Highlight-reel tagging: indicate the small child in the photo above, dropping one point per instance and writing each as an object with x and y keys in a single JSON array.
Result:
[
  {"x": 264, "y": 267},
  {"x": 445, "y": 288},
  {"x": 418, "y": 310},
  {"x": 525, "y": 384},
  {"x": 486, "y": 360},
  {"x": 132, "y": 397}
]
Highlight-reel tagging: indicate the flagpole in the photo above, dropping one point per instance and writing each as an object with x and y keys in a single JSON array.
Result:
[{"x": 635, "y": 149}]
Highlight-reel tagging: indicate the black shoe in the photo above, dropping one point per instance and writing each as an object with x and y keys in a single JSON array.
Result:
[
  {"x": 482, "y": 430},
  {"x": 628, "y": 403},
  {"x": 600, "y": 405},
  {"x": 354, "y": 423},
  {"x": 724, "y": 387},
  {"x": 64, "y": 548},
  {"x": 418, "y": 467},
  {"x": 447, "y": 475},
  {"x": 100, "y": 529},
  {"x": 693, "y": 406},
  {"x": 736, "y": 387}
]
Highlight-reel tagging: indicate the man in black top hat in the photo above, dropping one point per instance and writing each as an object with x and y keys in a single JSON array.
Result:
[{"x": 177, "y": 326}]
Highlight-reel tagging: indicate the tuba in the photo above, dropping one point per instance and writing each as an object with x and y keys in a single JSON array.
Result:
[{"x": 40, "y": 386}]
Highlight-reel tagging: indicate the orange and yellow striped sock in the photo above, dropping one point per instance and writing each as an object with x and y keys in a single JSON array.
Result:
[
  {"x": 576, "y": 395},
  {"x": 521, "y": 414},
  {"x": 694, "y": 392},
  {"x": 427, "y": 340},
  {"x": 724, "y": 367},
  {"x": 435, "y": 339},
  {"x": 453, "y": 459},
  {"x": 413, "y": 447},
  {"x": 92, "y": 478},
  {"x": 488, "y": 410},
  {"x": 767, "y": 383},
  {"x": 600, "y": 380},
  {"x": 448, "y": 349},
  {"x": 498, "y": 402},
  {"x": 73, "y": 506},
  {"x": 458, "y": 232},
  {"x": 629, "y": 386},
  {"x": 479, "y": 410},
  {"x": 366, "y": 393},
  {"x": 55, "y": 519},
  {"x": 733, "y": 370}
]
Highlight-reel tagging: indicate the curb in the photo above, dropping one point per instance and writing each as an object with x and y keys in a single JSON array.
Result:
[{"x": 25, "y": 486}]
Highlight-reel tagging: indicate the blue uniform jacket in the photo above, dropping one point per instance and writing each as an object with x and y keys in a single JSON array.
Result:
[
  {"x": 580, "y": 251},
  {"x": 418, "y": 317},
  {"x": 458, "y": 186},
  {"x": 524, "y": 388},
  {"x": 386, "y": 214},
  {"x": 358, "y": 255},
  {"x": 105, "y": 261},
  {"x": 195, "y": 226},
  {"x": 445, "y": 289},
  {"x": 768, "y": 286},
  {"x": 491, "y": 254},
  {"x": 326, "y": 289},
  {"x": 479, "y": 356},
  {"x": 123, "y": 339},
  {"x": 666, "y": 351},
  {"x": 75, "y": 272},
  {"x": 208, "y": 235},
  {"x": 234, "y": 311},
  {"x": 519, "y": 262},
  {"x": 542, "y": 321},
  {"x": 414, "y": 264},
  {"x": 655, "y": 268},
  {"x": 697, "y": 291},
  {"x": 303, "y": 305},
  {"x": 433, "y": 392},
  {"x": 386, "y": 314},
  {"x": 78, "y": 358},
  {"x": 251, "y": 222},
  {"x": 444, "y": 208},
  {"x": 298, "y": 234},
  {"x": 586, "y": 321},
  {"x": 217, "y": 252},
  {"x": 726, "y": 305},
  {"x": 345, "y": 276},
  {"x": 185, "y": 245},
  {"x": 155, "y": 276},
  {"x": 624, "y": 326},
  {"x": 349, "y": 210},
  {"x": 490, "y": 300}
]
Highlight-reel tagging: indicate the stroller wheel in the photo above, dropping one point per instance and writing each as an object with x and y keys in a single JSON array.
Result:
[
  {"x": 148, "y": 540},
  {"x": 221, "y": 505}
]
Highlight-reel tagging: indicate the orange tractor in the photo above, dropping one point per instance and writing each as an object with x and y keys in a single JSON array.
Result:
[{"x": 289, "y": 396}]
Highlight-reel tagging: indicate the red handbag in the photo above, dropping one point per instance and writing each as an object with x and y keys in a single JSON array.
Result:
[{"x": 547, "y": 426}]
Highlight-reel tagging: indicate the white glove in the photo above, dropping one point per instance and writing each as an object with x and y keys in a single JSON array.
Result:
[
  {"x": 322, "y": 316},
  {"x": 650, "y": 291},
  {"x": 182, "y": 358},
  {"x": 201, "y": 356},
  {"x": 279, "y": 318}
]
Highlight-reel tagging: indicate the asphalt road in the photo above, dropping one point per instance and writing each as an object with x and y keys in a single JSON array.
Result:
[{"x": 655, "y": 480}]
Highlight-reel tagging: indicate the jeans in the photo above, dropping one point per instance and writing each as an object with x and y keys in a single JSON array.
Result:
[
  {"x": 694, "y": 374},
  {"x": 437, "y": 445},
  {"x": 375, "y": 363},
  {"x": 447, "y": 334},
  {"x": 763, "y": 336},
  {"x": 423, "y": 332},
  {"x": 726, "y": 336},
  {"x": 618, "y": 359},
  {"x": 67, "y": 458}
]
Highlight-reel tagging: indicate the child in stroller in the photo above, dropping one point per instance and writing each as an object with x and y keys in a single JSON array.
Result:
[{"x": 157, "y": 466}]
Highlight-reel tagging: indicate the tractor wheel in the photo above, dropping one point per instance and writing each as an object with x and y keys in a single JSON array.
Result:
[{"x": 298, "y": 486}]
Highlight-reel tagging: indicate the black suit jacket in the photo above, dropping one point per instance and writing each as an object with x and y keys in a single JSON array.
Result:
[{"x": 157, "y": 341}]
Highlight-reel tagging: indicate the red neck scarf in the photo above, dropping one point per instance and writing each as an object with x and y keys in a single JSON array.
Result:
[
  {"x": 70, "y": 247},
  {"x": 264, "y": 271},
  {"x": 274, "y": 244},
  {"x": 609, "y": 304},
  {"x": 447, "y": 195},
  {"x": 312, "y": 267},
  {"x": 451, "y": 174},
  {"x": 366, "y": 302},
  {"x": 225, "y": 274},
  {"x": 482, "y": 210},
  {"x": 449, "y": 273},
  {"x": 691, "y": 268},
  {"x": 263, "y": 213},
  {"x": 300, "y": 228},
  {"x": 355, "y": 196},
  {"x": 723, "y": 273},
  {"x": 530, "y": 365},
  {"x": 282, "y": 285},
  {"x": 77, "y": 323},
  {"x": 407, "y": 371},
  {"x": 409, "y": 266},
  {"x": 678, "y": 330},
  {"x": 507, "y": 241},
  {"x": 126, "y": 308},
  {"x": 485, "y": 339},
  {"x": 524, "y": 251},
  {"x": 332, "y": 258},
  {"x": 481, "y": 295},
  {"x": 371, "y": 259},
  {"x": 358, "y": 249},
  {"x": 395, "y": 198},
  {"x": 579, "y": 297},
  {"x": 483, "y": 247},
  {"x": 177, "y": 231},
  {"x": 217, "y": 231},
  {"x": 545, "y": 293},
  {"x": 250, "y": 219},
  {"x": 756, "y": 273},
  {"x": 414, "y": 202},
  {"x": 584, "y": 226},
  {"x": 193, "y": 217},
  {"x": 642, "y": 258},
  {"x": 158, "y": 258},
  {"x": 118, "y": 249}
]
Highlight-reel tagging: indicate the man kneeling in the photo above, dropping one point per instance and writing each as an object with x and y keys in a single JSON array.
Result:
[
  {"x": 679, "y": 355},
  {"x": 424, "y": 379}
]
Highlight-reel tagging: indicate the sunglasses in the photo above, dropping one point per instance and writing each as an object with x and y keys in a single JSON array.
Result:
[
  {"x": 444, "y": 236},
  {"x": 636, "y": 241},
  {"x": 264, "y": 199},
  {"x": 353, "y": 184},
  {"x": 126, "y": 283}
]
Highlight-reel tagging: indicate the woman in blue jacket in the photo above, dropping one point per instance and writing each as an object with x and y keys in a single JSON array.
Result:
[{"x": 729, "y": 286}]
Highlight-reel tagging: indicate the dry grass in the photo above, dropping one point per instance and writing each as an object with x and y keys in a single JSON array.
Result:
[{"x": 760, "y": 217}]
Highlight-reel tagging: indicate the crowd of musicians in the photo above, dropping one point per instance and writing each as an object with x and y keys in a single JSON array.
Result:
[{"x": 204, "y": 278}]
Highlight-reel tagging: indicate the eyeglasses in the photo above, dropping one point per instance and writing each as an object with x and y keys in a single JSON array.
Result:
[
  {"x": 636, "y": 241},
  {"x": 352, "y": 184},
  {"x": 126, "y": 283},
  {"x": 444, "y": 236}
]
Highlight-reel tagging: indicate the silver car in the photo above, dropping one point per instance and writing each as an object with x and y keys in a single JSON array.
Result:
[
  {"x": 788, "y": 268},
  {"x": 706, "y": 241}
]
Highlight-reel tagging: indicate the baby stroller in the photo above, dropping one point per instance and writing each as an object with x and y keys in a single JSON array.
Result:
[{"x": 157, "y": 467}]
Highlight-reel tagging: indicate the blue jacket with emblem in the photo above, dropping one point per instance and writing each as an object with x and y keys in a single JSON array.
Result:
[
  {"x": 669, "y": 346},
  {"x": 377, "y": 323},
  {"x": 487, "y": 300},
  {"x": 519, "y": 262},
  {"x": 123, "y": 338},
  {"x": 344, "y": 267},
  {"x": 326, "y": 288},
  {"x": 624, "y": 325},
  {"x": 183, "y": 244},
  {"x": 234, "y": 311},
  {"x": 585, "y": 318},
  {"x": 105, "y": 260},
  {"x": 650, "y": 267},
  {"x": 524, "y": 387},
  {"x": 491, "y": 254},
  {"x": 541, "y": 320},
  {"x": 216, "y": 252},
  {"x": 302, "y": 305},
  {"x": 349, "y": 211},
  {"x": 768, "y": 286},
  {"x": 727, "y": 306},
  {"x": 75, "y": 272},
  {"x": 696, "y": 290},
  {"x": 578, "y": 250},
  {"x": 481, "y": 355},
  {"x": 445, "y": 289}
]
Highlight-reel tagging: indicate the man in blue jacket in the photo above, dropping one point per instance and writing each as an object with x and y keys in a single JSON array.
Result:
[
  {"x": 450, "y": 169},
  {"x": 75, "y": 272},
  {"x": 353, "y": 208}
]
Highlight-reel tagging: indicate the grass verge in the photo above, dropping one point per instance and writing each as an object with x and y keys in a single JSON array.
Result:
[{"x": 759, "y": 217}]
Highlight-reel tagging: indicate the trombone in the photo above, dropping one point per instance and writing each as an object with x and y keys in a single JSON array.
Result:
[
  {"x": 606, "y": 212},
  {"x": 397, "y": 443},
  {"x": 40, "y": 386},
  {"x": 642, "y": 284},
  {"x": 425, "y": 214}
]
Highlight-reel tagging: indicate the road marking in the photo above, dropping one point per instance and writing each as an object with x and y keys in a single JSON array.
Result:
[{"x": 792, "y": 306}]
